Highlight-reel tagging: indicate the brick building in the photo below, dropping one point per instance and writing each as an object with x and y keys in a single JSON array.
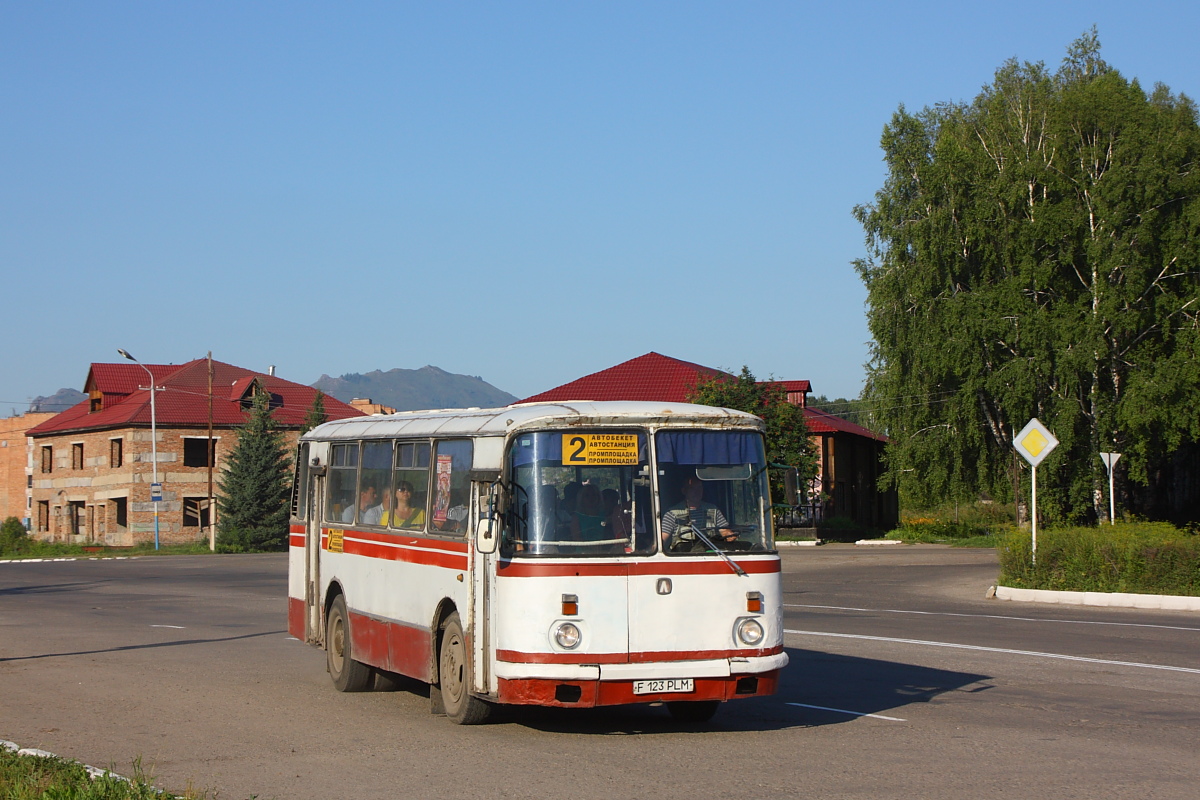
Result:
[
  {"x": 92, "y": 464},
  {"x": 849, "y": 457},
  {"x": 16, "y": 465}
]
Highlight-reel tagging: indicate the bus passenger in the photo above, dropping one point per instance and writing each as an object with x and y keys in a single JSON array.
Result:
[
  {"x": 589, "y": 523},
  {"x": 368, "y": 512},
  {"x": 693, "y": 511},
  {"x": 402, "y": 514}
]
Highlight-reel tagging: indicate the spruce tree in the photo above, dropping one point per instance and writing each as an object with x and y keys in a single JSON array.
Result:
[
  {"x": 255, "y": 487},
  {"x": 316, "y": 414}
]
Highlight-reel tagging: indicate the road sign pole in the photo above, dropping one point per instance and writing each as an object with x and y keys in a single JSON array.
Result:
[
  {"x": 1110, "y": 463},
  {"x": 1033, "y": 510}
]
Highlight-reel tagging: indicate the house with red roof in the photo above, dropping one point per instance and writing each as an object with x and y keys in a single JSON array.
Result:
[
  {"x": 849, "y": 461},
  {"x": 92, "y": 464}
]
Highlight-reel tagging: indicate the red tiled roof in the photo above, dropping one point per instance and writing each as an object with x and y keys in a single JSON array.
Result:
[
  {"x": 652, "y": 377},
  {"x": 823, "y": 422},
  {"x": 181, "y": 398},
  {"x": 658, "y": 378}
]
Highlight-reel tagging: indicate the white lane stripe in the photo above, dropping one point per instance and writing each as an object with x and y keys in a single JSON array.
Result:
[
  {"x": 844, "y": 711},
  {"x": 176, "y": 627},
  {"x": 993, "y": 616},
  {"x": 1032, "y": 653}
]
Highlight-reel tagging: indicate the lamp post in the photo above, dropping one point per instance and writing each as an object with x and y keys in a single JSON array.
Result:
[{"x": 155, "y": 488}]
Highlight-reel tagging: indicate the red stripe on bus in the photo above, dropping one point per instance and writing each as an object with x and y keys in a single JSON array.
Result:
[
  {"x": 412, "y": 554},
  {"x": 526, "y": 569},
  {"x": 517, "y": 657},
  {"x": 392, "y": 646},
  {"x": 296, "y": 529},
  {"x": 296, "y": 539},
  {"x": 296, "y": 617}
]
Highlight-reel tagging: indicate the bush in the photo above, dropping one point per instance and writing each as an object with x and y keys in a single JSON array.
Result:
[
  {"x": 13, "y": 538},
  {"x": 1138, "y": 557}
]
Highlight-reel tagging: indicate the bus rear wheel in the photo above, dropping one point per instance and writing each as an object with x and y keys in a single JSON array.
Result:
[
  {"x": 454, "y": 676},
  {"x": 348, "y": 675},
  {"x": 693, "y": 712}
]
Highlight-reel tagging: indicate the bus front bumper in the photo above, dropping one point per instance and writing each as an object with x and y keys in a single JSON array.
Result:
[{"x": 589, "y": 685}]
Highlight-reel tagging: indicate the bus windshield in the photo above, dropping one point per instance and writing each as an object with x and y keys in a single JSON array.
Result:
[
  {"x": 713, "y": 491},
  {"x": 591, "y": 493}
]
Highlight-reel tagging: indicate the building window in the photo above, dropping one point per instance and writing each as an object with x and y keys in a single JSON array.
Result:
[
  {"x": 43, "y": 516},
  {"x": 77, "y": 455},
  {"x": 75, "y": 512},
  {"x": 116, "y": 453},
  {"x": 120, "y": 511},
  {"x": 47, "y": 458},
  {"x": 194, "y": 452},
  {"x": 195, "y": 512}
]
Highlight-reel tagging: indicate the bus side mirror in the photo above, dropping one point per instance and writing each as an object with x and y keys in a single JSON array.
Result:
[{"x": 487, "y": 532}]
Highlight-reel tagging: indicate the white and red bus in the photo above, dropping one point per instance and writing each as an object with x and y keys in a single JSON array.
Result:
[{"x": 574, "y": 554}]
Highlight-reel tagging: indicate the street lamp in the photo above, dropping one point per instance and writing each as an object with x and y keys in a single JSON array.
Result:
[{"x": 155, "y": 488}]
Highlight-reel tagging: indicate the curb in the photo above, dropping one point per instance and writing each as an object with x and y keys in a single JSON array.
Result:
[
  {"x": 94, "y": 772},
  {"x": 1162, "y": 602},
  {"x": 876, "y": 542},
  {"x": 799, "y": 543}
]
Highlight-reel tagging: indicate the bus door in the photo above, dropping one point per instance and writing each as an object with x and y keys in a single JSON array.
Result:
[
  {"x": 314, "y": 628},
  {"x": 483, "y": 577}
]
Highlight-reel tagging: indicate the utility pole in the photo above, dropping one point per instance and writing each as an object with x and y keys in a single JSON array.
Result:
[{"x": 212, "y": 452}]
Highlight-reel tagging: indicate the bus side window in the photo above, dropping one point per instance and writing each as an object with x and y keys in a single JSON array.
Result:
[
  {"x": 343, "y": 478},
  {"x": 408, "y": 506},
  {"x": 452, "y": 485}
]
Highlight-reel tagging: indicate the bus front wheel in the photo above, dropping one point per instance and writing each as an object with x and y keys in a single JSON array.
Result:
[
  {"x": 454, "y": 676},
  {"x": 348, "y": 675}
]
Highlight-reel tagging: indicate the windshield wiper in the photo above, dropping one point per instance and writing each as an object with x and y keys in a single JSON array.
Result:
[{"x": 733, "y": 564}]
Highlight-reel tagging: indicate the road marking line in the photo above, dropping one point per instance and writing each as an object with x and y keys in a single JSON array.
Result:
[
  {"x": 997, "y": 650},
  {"x": 176, "y": 627},
  {"x": 844, "y": 711},
  {"x": 993, "y": 616}
]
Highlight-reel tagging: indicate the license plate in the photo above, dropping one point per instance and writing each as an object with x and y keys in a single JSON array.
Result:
[{"x": 664, "y": 686}]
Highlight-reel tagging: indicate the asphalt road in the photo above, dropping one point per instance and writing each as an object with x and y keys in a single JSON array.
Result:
[{"x": 905, "y": 682}]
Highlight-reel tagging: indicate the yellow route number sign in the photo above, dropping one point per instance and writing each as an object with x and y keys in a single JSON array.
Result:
[
  {"x": 599, "y": 449},
  {"x": 334, "y": 543}
]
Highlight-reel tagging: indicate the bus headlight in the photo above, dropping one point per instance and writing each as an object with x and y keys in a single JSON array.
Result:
[
  {"x": 567, "y": 635},
  {"x": 749, "y": 631}
]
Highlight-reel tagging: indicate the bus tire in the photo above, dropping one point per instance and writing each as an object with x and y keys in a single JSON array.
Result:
[
  {"x": 348, "y": 675},
  {"x": 454, "y": 676},
  {"x": 693, "y": 712}
]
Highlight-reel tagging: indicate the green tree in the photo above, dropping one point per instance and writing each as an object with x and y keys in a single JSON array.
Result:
[
  {"x": 786, "y": 435},
  {"x": 316, "y": 414},
  {"x": 12, "y": 536},
  {"x": 1034, "y": 253},
  {"x": 254, "y": 489}
]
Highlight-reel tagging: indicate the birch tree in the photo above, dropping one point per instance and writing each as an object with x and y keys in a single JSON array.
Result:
[{"x": 1034, "y": 253}]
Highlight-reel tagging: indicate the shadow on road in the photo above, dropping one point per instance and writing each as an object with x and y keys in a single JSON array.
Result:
[
  {"x": 151, "y": 645},
  {"x": 52, "y": 588},
  {"x": 816, "y": 689}
]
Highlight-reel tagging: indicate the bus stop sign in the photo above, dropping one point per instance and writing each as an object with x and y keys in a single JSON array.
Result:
[{"x": 1034, "y": 442}]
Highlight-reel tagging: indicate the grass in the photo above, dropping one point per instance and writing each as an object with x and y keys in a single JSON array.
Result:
[
  {"x": 33, "y": 548},
  {"x": 29, "y": 777},
  {"x": 1136, "y": 557},
  {"x": 970, "y": 525}
]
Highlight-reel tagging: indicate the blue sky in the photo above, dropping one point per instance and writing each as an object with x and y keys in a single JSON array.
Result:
[{"x": 527, "y": 192}]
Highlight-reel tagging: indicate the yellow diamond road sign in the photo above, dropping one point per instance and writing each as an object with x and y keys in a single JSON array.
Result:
[{"x": 1034, "y": 442}]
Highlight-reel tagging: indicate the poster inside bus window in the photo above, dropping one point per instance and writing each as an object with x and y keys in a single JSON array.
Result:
[
  {"x": 599, "y": 449},
  {"x": 441, "y": 502}
]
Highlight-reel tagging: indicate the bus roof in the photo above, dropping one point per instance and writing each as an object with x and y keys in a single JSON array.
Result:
[{"x": 499, "y": 421}]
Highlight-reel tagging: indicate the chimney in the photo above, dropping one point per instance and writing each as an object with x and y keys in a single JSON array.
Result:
[{"x": 271, "y": 370}]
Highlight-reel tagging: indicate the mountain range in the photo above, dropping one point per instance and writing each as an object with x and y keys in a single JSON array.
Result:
[{"x": 415, "y": 389}]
